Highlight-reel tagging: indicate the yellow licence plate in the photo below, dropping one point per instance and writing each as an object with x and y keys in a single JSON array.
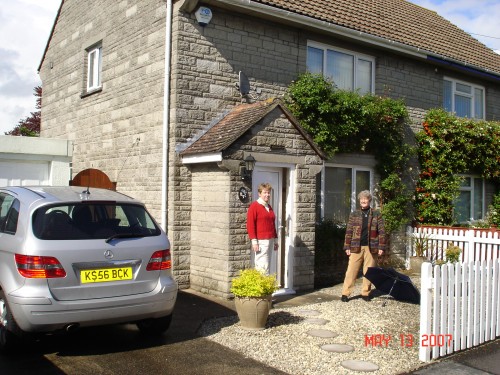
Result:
[{"x": 105, "y": 274}]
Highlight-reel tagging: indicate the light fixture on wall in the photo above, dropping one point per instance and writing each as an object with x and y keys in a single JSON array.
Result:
[{"x": 247, "y": 169}]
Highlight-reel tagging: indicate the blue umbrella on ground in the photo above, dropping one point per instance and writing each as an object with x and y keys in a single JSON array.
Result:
[{"x": 394, "y": 283}]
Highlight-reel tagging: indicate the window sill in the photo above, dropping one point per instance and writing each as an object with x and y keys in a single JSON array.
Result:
[{"x": 91, "y": 92}]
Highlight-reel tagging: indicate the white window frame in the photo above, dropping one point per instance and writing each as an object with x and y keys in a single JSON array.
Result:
[
  {"x": 472, "y": 96},
  {"x": 94, "y": 62},
  {"x": 471, "y": 190},
  {"x": 354, "y": 170},
  {"x": 357, "y": 56}
]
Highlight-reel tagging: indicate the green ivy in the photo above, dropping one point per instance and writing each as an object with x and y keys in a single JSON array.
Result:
[
  {"x": 447, "y": 146},
  {"x": 350, "y": 122}
]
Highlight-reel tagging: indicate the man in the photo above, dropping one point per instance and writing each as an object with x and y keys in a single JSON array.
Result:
[
  {"x": 364, "y": 239},
  {"x": 262, "y": 229}
]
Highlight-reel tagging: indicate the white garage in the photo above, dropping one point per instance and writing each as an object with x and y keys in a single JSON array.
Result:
[{"x": 34, "y": 161}]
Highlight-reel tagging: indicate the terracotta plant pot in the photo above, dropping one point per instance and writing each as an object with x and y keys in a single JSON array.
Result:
[
  {"x": 416, "y": 264},
  {"x": 253, "y": 311}
]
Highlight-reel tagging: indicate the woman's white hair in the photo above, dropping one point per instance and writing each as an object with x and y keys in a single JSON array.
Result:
[{"x": 365, "y": 194}]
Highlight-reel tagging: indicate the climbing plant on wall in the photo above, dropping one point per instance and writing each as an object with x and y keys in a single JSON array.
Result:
[
  {"x": 346, "y": 121},
  {"x": 448, "y": 146}
]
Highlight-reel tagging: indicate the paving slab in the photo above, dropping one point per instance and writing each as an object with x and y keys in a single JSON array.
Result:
[
  {"x": 325, "y": 333},
  {"x": 358, "y": 365}
]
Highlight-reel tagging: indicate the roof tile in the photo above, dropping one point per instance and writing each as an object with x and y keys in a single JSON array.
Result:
[{"x": 399, "y": 21}]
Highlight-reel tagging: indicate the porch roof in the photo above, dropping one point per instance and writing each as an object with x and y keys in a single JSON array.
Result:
[{"x": 224, "y": 132}]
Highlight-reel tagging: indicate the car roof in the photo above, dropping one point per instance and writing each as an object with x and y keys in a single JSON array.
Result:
[{"x": 56, "y": 194}]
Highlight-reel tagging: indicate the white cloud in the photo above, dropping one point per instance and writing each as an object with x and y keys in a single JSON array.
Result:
[
  {"x": 25, "y": 27},
  {"x": 477, "y": 17}
]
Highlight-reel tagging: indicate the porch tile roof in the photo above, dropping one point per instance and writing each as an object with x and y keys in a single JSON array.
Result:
[
  {"x": 398, "y": 21},
  {"x": 234, "y": 124}
]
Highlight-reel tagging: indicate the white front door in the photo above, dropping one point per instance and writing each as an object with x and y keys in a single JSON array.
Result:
[{"x": 280, "y": 201}]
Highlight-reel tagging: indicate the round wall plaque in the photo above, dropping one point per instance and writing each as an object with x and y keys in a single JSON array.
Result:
[{"x": 243, "y": 194}]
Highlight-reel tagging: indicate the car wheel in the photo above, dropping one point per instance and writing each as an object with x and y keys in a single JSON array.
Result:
[
  {"x": 155, "y": 326},
  {"x": 9, "y": 330}
]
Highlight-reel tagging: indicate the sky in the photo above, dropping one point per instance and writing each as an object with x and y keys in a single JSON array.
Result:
[{"x": 25, "y": 27}]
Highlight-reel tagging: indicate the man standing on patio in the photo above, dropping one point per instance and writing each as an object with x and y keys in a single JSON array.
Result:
[{"x": 364, "y": 240}]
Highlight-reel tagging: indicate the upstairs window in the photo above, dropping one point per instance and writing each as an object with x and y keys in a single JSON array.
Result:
[
  {"x": 348, "y": 70},
  {"x": 463, "y": 99},
  {"x": 94, "y": 67}
]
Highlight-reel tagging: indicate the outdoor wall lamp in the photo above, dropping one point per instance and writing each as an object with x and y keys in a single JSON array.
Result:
[{"x": 247, "y": 169}]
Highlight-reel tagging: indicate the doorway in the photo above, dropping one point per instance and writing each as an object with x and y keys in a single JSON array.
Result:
[{"x": 282, "y": 260}]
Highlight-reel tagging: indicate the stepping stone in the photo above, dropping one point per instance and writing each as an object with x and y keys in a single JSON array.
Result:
[
  {"x": 319, "y": 321},
  {"x": 338, "y": 348},
  {"x": 322, "y": 333},
  {"x": 309, "y": 312},
  {"x": 358, "y": 365}
]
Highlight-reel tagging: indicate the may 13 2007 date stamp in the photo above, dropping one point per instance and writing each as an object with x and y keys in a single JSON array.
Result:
[{"x": 408, "y": 340}]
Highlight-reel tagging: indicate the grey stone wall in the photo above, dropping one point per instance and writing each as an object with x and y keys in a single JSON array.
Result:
[
  {"x": 210, "y": 230},
  {"x": 119, "y": 129}
]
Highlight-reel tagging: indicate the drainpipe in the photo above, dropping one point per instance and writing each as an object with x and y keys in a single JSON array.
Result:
[{"x": 166, "y": 116}]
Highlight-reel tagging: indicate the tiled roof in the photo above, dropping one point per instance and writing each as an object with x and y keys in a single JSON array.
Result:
[
  {"x": 232, "y": 126},
  {"x": 398, "y": 21}
]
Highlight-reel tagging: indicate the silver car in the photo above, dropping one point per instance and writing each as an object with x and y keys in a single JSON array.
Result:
[{"x": 73, "y": 257}]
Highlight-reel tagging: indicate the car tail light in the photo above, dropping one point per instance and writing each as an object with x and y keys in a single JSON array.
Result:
[
  {"x": 160, "y": 260},
  {"x": 37, "y": 267}
]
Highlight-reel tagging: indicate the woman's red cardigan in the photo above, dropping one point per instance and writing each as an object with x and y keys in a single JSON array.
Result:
[{"x": 260, "y": 222}]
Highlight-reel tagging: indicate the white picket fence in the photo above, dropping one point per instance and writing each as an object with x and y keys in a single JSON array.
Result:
[
  {"x": 476, "y": 244},
  {"x": 459, "y": 306}
]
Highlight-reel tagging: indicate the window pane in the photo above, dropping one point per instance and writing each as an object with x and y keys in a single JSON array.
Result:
[
  {"x": 91, "y": 70},
  {"x": 362, "y": 183},
  {"x": 340, "y": 67},
  {"x": 463, "y": 207},
  {"x": 478, "y": 199},
  {"x": 338, "y": 189},
  {"x": 464, "y": 88},
  {"x": 11, "y": 222},
  {"x": 478, "y": 103},
  {"x": 315, "y": 60},
  {"x": 92, "y": 221},
  {"x": 364, "y": 76},
  {"x": 94, "y": 68},
  {"x": 462, "y": 106},
  {"x": 447, "y": 95},
  {"x": 466, "y": 182}
]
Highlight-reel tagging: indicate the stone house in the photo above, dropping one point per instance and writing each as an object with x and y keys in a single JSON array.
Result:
[{"x": 168, "y": 99}]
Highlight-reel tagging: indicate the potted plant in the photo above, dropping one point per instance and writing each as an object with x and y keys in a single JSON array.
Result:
[{"x": 252, "y": 291}]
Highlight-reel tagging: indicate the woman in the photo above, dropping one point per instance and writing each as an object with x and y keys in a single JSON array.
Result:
[{"x": 262, "y": 229}]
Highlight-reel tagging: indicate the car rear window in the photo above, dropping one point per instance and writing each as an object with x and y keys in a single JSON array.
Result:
[{"x": 90, "y": 220}]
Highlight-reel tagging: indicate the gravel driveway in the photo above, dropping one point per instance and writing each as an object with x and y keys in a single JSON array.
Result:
[{"x": 385, "y": 334}]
